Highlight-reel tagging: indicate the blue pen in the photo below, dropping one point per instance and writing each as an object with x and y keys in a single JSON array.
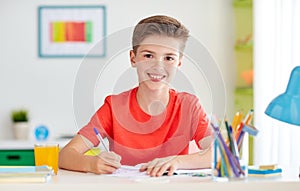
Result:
[{"x": 100, "y": 139}]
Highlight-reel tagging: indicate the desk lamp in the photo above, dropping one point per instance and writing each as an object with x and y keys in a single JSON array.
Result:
[{"x": 286, "y": 106}]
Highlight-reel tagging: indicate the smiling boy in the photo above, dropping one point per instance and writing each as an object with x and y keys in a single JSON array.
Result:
[{"x": 150, "y": 124}]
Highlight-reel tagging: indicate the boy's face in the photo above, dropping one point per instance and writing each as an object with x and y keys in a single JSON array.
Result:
[{"x": 156, "y": 60}]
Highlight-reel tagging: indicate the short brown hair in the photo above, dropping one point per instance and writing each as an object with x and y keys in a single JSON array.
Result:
[{"x": 159, "y": 25}]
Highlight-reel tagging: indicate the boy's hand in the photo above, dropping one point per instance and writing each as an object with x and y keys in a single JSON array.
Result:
[
  {"x": 106, "y": 163},
  {"x": 159, "y": 166}
]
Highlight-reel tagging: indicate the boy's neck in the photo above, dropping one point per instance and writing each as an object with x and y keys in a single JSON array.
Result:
[{"x": 153, "y": 102}]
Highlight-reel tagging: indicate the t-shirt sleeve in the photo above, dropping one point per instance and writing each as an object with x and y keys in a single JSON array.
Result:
[
  {"x": 203, "y": 128},
  {"x": 100, "y": 120}
]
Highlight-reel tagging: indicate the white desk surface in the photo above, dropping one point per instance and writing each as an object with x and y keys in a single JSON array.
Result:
[
  {"x": 27, "y": 144},
  {"x": 73, "y": 181}
]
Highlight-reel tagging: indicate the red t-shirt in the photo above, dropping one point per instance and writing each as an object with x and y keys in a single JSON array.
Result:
[{"x": 139, "y": 137}]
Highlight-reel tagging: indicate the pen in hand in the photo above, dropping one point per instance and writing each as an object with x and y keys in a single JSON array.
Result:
[
  {"x": 100, "y": 139},
  {"x": 110, "y": 157}
]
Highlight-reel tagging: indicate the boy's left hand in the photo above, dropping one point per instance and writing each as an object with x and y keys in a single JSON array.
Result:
[{"x": 159, "y": 166}]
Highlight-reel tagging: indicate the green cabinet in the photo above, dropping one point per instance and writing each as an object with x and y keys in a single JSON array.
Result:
[{"x": 17, "y": 157}]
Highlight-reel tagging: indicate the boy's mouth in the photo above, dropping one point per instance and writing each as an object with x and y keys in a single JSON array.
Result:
[{"x": 156, "y": 77}]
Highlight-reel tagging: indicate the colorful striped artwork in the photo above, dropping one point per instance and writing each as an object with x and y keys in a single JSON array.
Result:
[{"x": 70, "y": 31}]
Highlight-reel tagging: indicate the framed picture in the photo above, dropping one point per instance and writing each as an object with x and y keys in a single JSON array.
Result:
[{"x": 71, "y": 31}]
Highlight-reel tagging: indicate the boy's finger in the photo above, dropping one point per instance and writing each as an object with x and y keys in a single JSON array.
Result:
[
  {"x": 110, "y": 156},
  {"x": 113, "y": 163},
  {"x": 107, "y": 169}
]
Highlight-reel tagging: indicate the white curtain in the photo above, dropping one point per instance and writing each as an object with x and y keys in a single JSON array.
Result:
[{"x": 276, "y": 53}]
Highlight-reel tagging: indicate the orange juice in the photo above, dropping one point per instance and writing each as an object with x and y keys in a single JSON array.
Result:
[{"x": 47, "y": 154}]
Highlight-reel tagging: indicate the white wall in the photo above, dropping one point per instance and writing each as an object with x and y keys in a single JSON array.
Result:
[{"x": 45, "y": 86}]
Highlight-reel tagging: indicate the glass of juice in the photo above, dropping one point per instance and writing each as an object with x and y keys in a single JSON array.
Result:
[{"x": 47, "y": 154}]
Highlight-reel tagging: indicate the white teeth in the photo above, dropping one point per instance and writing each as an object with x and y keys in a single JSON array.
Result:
[{"x": 158, "y": 77}]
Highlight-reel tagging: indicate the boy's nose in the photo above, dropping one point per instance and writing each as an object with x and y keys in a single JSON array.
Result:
[{"x": 159, "y": 61}]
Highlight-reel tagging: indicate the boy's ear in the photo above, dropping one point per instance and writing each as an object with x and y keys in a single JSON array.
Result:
[
  {"x": 180, "y": 60},
  {"x": 132, "y": 58},
  {"x": 179, "y": 63}
]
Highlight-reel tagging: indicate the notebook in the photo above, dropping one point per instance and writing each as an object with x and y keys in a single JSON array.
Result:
[
  {"x": 259, "y": 172},
  {"x": 23, "y": 174}
]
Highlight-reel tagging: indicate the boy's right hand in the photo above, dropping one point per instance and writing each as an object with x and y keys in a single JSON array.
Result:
[{"x": 106, "y": 163}]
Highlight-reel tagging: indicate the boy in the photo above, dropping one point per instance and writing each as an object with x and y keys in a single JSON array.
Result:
[{"x": 151, "y": 124}]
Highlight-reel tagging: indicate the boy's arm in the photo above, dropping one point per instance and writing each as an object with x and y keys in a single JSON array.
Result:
[
  {"x": 200, "y": 159},
  {"x": 72, "y": 157},
  {"x": 159, "y": 166}
]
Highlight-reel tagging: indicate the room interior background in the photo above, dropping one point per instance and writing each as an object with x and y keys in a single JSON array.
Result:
[
  {"x": 276, "y": 53},
  {"x": 45, "y": 86}
]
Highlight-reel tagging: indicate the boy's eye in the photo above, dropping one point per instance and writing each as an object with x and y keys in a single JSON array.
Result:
[
  {"x": 148, "y": 56},
  {"x": 170, "y": 58}
]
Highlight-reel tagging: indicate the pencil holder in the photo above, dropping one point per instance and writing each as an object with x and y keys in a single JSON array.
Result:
[{"x": 227, "y": 163}]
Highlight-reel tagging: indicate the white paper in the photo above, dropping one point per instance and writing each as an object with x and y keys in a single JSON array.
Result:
[
  {"x": 129, "y": 171},
  {"x": 133, "y": 171}
]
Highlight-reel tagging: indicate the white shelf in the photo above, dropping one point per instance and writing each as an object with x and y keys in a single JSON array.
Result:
[{"x": 24, "y": 144}]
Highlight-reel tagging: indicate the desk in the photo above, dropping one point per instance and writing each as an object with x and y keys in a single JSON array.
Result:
[{"x": 67, "y": 180}]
